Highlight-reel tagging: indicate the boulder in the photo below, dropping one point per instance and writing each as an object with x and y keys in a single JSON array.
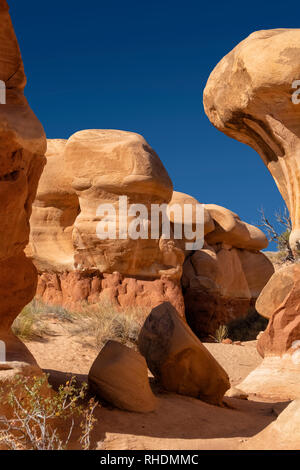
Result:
[
  {"x": 119, "y": 375},
  {"x": 22, "y": 149},
  {"x": 277, "y": 289},
  {"x": 177, "y": 358},
  {"x": 221, "y": 284},
  {"x": 248, "y": 96},
  {"x": 258, "y": 269}
]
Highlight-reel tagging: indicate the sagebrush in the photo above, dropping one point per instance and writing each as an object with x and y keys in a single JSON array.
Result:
[{"x": 38, "y": 415}]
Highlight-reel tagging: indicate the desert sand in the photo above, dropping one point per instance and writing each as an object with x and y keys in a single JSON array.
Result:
[{"x": 179, "y": 422}]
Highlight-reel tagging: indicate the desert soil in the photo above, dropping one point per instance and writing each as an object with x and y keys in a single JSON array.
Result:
[{"x": 179, "y": 422}]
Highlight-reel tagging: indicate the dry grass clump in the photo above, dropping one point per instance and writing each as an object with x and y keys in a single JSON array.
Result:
[
  {"x": 220, "y": 334},
  {"x": 30, "y": 325},
  {"x": 94, "y": 325}
]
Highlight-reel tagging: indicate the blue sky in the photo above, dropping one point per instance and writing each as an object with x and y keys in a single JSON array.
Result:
[{"x": 142, "y": 66}]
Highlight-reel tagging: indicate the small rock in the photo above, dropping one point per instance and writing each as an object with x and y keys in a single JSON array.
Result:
[
  {"x": 234, "y": 392},
  {"x": 227, "y": 341}
]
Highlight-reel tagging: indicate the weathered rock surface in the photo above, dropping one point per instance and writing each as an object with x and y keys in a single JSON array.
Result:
[
  {"x": 280, "y": 301},
  {"x": 178, "y": 359},
  {"x": 234, "y": 392},
  {"x": 221, "y": 283},
  {"x": 279, "y": 344},
  {"x": 76, "y": 289},
  {"x": 96, "y": 167},
  {"x": 276, "y": 378},
  {"x": 22, "y": 149},
  {"x": 230, "y": 229},
  {"x": 91, "y": 168},
  {"x": 186, "y": 218},
  {"x": 119, "y": 375},
  {"x": 282, "y": 434},
  {"x": 248, "y": 96}
]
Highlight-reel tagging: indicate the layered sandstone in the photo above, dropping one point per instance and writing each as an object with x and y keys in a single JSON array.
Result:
[
  {"x": 222, "y": 281},
  {"x": 248, "y": 96},
  {"x": 279, "y": 344},
  {"x": 91, "y": 169},
  {"x": 22, "y": 149}
]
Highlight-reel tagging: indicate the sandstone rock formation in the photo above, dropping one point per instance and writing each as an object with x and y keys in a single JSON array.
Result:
[
  {"x": 282, "y": 434},
  {"x": 280, "y": 302},
  {"x": 22, "y": 149},
  {"x": 186, "y": 219},
  {"x": 279, "y": 344},
  {"x": 178, "y": 359},
  {"x": 92, "y": 168},
  {"x": 221, "y": 282},
  {"x": 119, "y": 375},
  {"x": 248, "y": 96},
  {"x": 231, "y": 230}
]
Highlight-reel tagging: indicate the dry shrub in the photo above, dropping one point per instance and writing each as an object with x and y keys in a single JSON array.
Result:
[{"x": 45, "y": 421}]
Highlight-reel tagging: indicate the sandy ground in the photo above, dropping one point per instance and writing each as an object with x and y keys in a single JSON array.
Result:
[{"x": 179, "y": 422}]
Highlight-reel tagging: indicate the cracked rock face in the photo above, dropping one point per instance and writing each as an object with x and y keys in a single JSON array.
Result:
[
  {"x": 22, "y": 149},
  {"x": 248, "y": 96}
]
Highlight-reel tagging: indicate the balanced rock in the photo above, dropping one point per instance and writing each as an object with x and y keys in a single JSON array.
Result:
[
  {"x": 90, "y": 170},
  {"x": 231, "y": 230},
  {"x": 22, "y": 149},
  {"x": 178, "y": 359},
  {"x": 248, "y": 96},
  {"x": 119, "y": 375}
]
